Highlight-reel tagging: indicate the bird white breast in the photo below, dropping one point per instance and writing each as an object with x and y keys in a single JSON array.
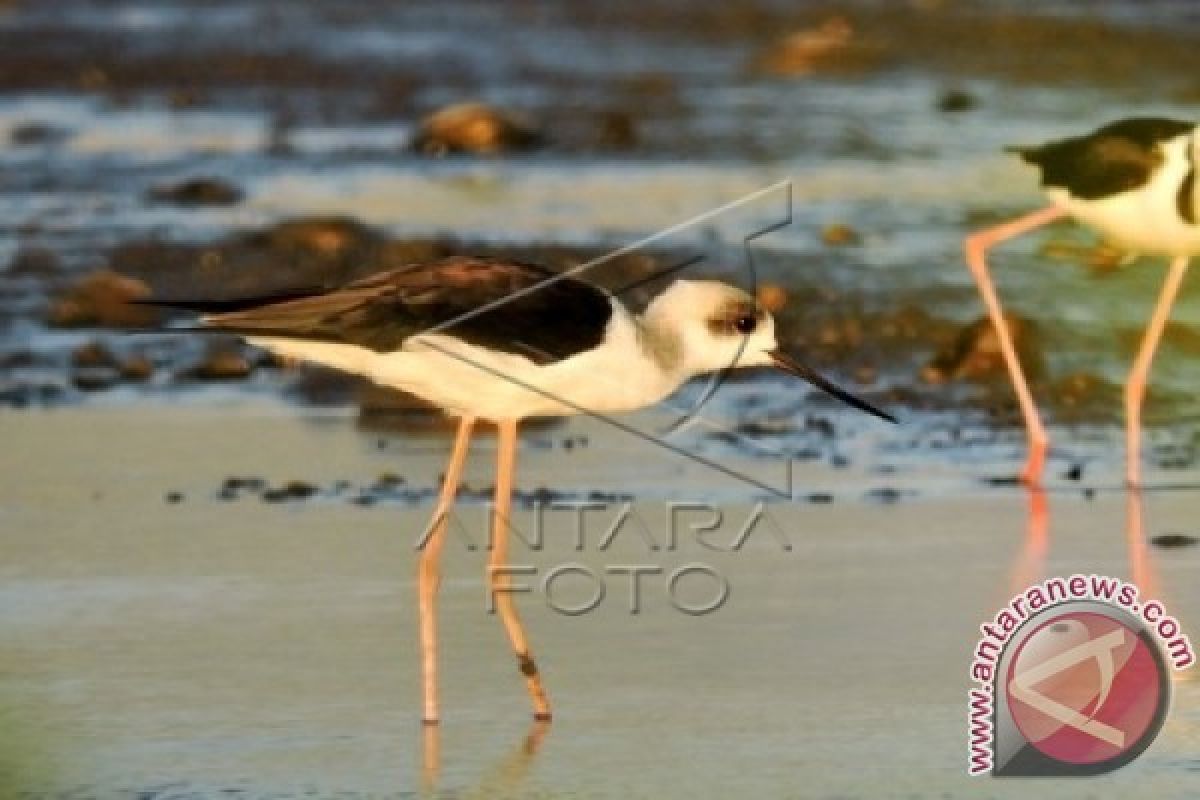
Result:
[
  {"x": 1144, "y": 220},
  {"x": 465, "y": 379}
]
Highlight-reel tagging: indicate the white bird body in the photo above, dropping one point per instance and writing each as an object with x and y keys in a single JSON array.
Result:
[
  {"x": 469, "y": 380},
  {"x": 1145, "y": 219},
  {"x": 639, "y": 362}
]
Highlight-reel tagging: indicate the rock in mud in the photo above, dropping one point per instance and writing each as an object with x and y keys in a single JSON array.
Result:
[
  {"x": 94, "y": 354},
  {"x": 1087, "y": 395},
  {"x": 840, "y": 235},
  {"x": 37, "y": 262},
  {"x": 476, "y": 128},
  {"x": 1102, "y": 259},
  {"x": 975, "y": 355},
  {"x": 221, "y": 363},
  {"x": 833, "y": 46},
  {"x": 136, "y": 369},
  {"x": 95, "y": 358},
  {"x": 103, "y": 299},
  {"x": 18, "y": 359},
  {"x": 29, "y": 395},
  {"x": 1172, "y": 540},
  {"x": 772, "y": 297},
  {"x": 37, "y": 134},
  {"x": 95, "y": 379},
  {"x": 197, "y": 192},
  {"x": 617, "y": 130},
  {"x": 956, "y": 101},
  {"x": 321, "y": 235}
]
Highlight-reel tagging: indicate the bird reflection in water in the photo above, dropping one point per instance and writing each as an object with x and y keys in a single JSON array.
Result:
[
  {"x": 1029, "y": 565},
  {"x": 500, "y": 781}
]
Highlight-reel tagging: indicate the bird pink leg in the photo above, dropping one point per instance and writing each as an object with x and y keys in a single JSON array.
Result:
[
  {"x": 1135, "y": 387},
  {"x": 429, "y": 574},
  {"x": 505, "y": 465},
  {"x": 977, "y": 245}
]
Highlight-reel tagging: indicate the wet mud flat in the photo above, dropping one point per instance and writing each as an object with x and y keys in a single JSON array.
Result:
[{"x": 207, "y": 650}]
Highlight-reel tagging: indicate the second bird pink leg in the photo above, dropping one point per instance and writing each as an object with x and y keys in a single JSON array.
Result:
[
  {"x": 505, "y": 467},
  {"x": 977, "y": 245},
  {"x": 1135, "y": 387}
]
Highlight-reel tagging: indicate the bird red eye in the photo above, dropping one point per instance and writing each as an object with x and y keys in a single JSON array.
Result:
[{"x": 745, "y": 324}]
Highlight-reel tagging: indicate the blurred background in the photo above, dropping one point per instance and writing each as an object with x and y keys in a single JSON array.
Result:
[{"x": 232, "y": 147}]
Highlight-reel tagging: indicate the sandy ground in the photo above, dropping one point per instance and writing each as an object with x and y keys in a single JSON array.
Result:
[{"x": 246, "y": 649}]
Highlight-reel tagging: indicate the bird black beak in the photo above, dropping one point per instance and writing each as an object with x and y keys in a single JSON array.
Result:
[{"x": 794, "y": 367}]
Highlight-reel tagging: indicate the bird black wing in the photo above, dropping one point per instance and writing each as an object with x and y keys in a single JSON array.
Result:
[
  {"x": 1117, "y": 158},
  {"x": 506, "y": 306}
]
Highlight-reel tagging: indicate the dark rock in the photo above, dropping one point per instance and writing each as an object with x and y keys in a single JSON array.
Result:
[
  {"x": 834, "y": 46},
  {"x": 884, "y": 494},
  {"x": 221, "y": 363},
  {"x": 597, "y": 496},
  {"x": 173, "y": 497},
  {"x": 820, "y": 498},
  {"x": 975, "y": 355},
  {"x": 197, "y": 192},
  {"x": 821, "y": 426},
  {"x": 389, "y": 480},
  {"x": 764, "y": 428},
  {"x": 322, "y": 235},
  {"x": 772, "y": 297},
  {"x": 954, "y": 101},
  {"x": 93, "y": 354},
  {"x": 1171, "y": 540},
  {"x": 1085, "y": 395},
  {"x": 1003, "y": 480},
  {"x": 103, "y": 299},
  {"x": 136, "y": 369},
  {"x": 1074, "y": 473},
  {"x": 30, "y": 395},
  {"x": 18, "y": 359},
  {"x": 30, "y": 134},
  {"x": 37, "y": 262},
  {"x": 292, "y": 490},
  {"x": 300, "y": 489},
  {"x": 475, "y": 128},
  {"x": 239, "y": 483},
  {"x": 94, "y": 379},
  {"x": 617, "y": 130},
  {"x": 840, "y": 235},
  {"x": 865, "y": 375}
]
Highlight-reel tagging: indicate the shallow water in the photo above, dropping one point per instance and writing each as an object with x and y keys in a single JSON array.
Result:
[{"x": 210, "y": 649}]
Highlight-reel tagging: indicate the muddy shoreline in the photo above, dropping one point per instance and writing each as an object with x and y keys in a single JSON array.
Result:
[{"x": 149, "y": 145}]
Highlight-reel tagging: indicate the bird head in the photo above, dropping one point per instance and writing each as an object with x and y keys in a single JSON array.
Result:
[{"x": 721, "y": 327}]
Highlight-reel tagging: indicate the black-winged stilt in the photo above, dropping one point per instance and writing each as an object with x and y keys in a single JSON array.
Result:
[
  {"x": 500, "y": 341},
  {"x": 1135, "y": 182}
]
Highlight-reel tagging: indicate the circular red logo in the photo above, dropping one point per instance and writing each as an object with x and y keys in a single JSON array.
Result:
[{"x": 1084, "y": 688}]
